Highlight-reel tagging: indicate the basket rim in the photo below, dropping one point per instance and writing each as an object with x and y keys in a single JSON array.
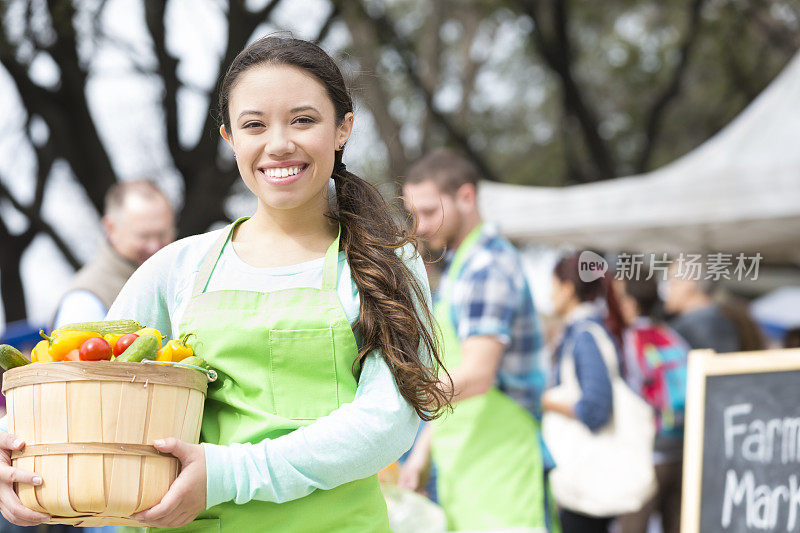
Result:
[{"x": 113, "y": 371}]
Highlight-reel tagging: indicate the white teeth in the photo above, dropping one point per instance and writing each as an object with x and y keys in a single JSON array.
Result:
[{"x": 281, "y": 172}]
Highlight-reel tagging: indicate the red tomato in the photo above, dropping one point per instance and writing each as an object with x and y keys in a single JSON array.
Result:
[
  {"x": 73, "y": 355},
  {"x": 123, "y": 343},
  {"x": 95, "y": 349}
]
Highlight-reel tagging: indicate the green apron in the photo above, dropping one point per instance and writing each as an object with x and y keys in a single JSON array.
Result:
[
  {"x": 489, "y": 467},
  {"x": 284, "y": 359}
]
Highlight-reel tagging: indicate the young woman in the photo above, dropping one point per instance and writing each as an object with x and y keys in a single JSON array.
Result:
[
  {"x": 313, "y": 311},
  {"x": 575, "y": 303}
]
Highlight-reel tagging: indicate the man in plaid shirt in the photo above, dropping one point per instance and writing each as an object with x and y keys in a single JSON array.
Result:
[
  {"x": 491, "y": 298},
  {"x": 488, "y": 454}
]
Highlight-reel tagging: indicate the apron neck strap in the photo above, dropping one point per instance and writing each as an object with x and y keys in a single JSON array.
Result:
[
  {"x": 330, "y": 269},
  {"x": 463, "y": 252},
  {"x": 329, "y": 273},
  {"x": 212, "y": 258}
]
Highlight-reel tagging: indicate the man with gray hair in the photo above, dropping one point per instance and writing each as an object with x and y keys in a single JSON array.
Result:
[{"x": 137, "y": 222}]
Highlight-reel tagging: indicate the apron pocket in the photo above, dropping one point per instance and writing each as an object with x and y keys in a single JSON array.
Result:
[
  {"x": 201, "y": 525},
  {"x": 303, "y": 370}
]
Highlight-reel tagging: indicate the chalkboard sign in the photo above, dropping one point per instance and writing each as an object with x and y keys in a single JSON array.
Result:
[{"x": 741, "y": 470}]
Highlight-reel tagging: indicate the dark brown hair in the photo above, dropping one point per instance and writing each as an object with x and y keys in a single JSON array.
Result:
[
  {"x": 448, "y": 169},
  {"x": 567, "y": 271},
  {"x": 388, "y": 319},
  {"x": 644, "y": 292}
]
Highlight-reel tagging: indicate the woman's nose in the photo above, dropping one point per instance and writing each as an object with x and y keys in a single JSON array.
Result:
[{"x": 278, "y": 142}]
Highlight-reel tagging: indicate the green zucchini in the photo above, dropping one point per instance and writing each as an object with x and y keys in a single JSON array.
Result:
[
  {"x": 10, "y": 357},
  {"x": 145, "y": 347},
  {"x": 119, "y": 327}
]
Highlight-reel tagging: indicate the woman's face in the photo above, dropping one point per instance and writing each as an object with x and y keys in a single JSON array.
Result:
[
  {"x": 284, "y": 134},
  {"x": 563, "y": 297},
  {"x": 627, "y": 304}
]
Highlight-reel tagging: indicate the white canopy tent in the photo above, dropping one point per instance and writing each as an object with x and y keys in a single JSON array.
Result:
[{"x": 737, "y": 192}]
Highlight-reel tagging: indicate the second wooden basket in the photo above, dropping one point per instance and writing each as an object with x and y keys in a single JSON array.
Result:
[{"x": 89, "y": 429}]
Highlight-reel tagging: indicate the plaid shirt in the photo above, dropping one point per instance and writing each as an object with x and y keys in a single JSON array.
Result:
[{"x": 491, "y": 297}]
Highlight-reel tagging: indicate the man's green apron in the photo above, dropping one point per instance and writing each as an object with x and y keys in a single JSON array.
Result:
[
  {"x": 488, "y": 460},
  {"x": 284, "y": 359}
]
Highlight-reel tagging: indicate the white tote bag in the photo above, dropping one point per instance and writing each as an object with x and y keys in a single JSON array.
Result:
[{"x": 608, "y": 472}]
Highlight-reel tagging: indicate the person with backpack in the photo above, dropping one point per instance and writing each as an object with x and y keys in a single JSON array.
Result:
[{"x": 654, "y": 358}]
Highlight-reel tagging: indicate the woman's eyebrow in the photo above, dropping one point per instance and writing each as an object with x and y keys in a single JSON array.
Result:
[
  {"x": 250, "y": 112},
  {"x": 303, "y": 108}
]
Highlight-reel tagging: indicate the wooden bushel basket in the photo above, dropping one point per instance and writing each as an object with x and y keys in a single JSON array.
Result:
[{"x": 89, "y": 429}]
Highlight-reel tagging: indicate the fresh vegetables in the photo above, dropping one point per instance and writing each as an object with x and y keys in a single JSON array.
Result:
[
  {"x": 123, "y": 342},
  {"x": 10, "y": 357},
  {"x": 95, "y": 349},
  {"x": 63, "y": 341},
  {"x": 154, "y": 332},
  {"x": 40, "y": 353},
  {"x": 176, "y": 350},
  {"x": 120, "y": 327},
  {"x": 195, "y": 361},
  {"x": 145, "y": 347},
  {"x": 112, "y": 340}
]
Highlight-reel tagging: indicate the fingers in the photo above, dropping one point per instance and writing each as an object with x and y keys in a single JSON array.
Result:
[
  {"x": 409, "y": 479},
  {"x": 16, "y": 513},
  {"x": 9, "y": 474},
  {"x": 180, "y": 449},
  {"x": 9, "y": 441}
]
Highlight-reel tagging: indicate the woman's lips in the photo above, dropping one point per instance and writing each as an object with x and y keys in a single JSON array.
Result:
[{"x": 282, "y": 181}]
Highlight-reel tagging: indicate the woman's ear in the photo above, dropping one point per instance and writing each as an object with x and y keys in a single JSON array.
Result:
[
  {"x": 224, "y": 134},
  {"x": 343, "y": 130}
]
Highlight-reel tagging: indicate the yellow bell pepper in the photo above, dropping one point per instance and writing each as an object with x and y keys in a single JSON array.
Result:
[
  {"x": 154, "y": 332},
  {"x": 61, "y": 342},
  {"x": 176, "y": 350},
  {"x": 40, "y": 354},
  {"x": 112, "y": 338}
]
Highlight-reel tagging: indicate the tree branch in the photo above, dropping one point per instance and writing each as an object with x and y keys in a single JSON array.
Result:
[
  {"x": 37, "y": 223},
  {"x": 657, "y": 110},
  {"x": 388, "y": 35},
  {"x": 167, "y": 70},
  {"x": 557, "y": 54}
]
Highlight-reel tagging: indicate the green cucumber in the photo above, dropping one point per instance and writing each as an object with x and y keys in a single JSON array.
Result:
[
  {"x": 195, "y": 361},
  {"x": 119, "y": 327},
  {"x": 145, "y": 347},
  {"x": 10, "y": 357}
]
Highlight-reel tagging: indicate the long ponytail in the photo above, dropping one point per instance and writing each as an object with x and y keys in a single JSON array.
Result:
[{"x": 388, "y": 319}]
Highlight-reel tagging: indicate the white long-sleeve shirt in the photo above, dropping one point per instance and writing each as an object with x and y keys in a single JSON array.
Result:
[{"x": 355, "y": 441}]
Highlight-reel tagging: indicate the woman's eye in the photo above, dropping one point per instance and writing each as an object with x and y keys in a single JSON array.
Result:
[
  {"x": 252, "y": 125},
  {"x": 303, "y": 120}
]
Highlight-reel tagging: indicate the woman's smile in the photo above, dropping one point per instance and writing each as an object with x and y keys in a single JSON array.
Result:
[{"x": 282, "y": 174}]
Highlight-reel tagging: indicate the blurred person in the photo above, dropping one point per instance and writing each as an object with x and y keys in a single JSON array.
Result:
[
  {"x": 792, "y": 338},
  {"x": 655, "y": 368},
  {"x": 748, "y": 332},
  {"x": 137, "y": 222},
  {"x": 700, "y": 320},
  {"x": 488, "y": 453},
  {"x": 577, "y": 302}
]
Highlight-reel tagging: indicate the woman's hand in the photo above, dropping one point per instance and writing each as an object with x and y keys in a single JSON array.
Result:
[
  {"x": 186, "y": 498},
  {"x": 418, "y": 461},
  {"x": 10, "y": 506},
  {"x": 556, "y": 406},
  {"x": 410, "y": 475}
]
